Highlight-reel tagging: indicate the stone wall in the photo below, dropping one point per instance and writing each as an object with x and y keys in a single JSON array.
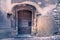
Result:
[{"x": 45, "y": 24}]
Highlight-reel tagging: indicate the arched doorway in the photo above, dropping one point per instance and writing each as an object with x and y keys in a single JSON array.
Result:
[{"x": 24, "y": 15}]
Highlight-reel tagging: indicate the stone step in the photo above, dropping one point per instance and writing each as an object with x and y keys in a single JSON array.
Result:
[
  {"x": 24, "y": 35},
  {"x": 35, "y": 38}
]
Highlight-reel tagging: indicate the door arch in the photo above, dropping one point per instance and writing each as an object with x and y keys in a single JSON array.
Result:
[{"x": 23, "y": 7}]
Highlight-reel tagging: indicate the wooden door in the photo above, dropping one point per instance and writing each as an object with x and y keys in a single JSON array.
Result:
[{"x": 24, "y": 22}]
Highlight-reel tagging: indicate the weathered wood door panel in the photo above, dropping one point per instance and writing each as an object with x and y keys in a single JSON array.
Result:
[{"x": 24, "y": 22}]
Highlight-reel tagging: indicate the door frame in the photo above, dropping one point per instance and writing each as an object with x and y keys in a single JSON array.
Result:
[
  {"x": 18, "y": 7},
  {"x": 16, "y": 21}
]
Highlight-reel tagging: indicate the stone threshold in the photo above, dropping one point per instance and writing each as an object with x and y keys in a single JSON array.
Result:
[{"x": 24, "y": 35}]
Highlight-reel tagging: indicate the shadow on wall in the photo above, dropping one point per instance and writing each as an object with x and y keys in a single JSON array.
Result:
[
  {"x": 4, "y": 22},
  {"x": 5, "y": 25}
]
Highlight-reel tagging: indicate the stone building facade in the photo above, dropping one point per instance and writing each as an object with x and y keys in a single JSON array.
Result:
[{"x": 29, "y": 17}]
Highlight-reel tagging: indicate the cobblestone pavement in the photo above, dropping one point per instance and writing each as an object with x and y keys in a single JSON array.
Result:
[{"x": 34, "y": 38}]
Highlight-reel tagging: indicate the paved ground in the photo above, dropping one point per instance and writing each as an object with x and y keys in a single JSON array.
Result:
[{"x": 34, "y": 38}]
